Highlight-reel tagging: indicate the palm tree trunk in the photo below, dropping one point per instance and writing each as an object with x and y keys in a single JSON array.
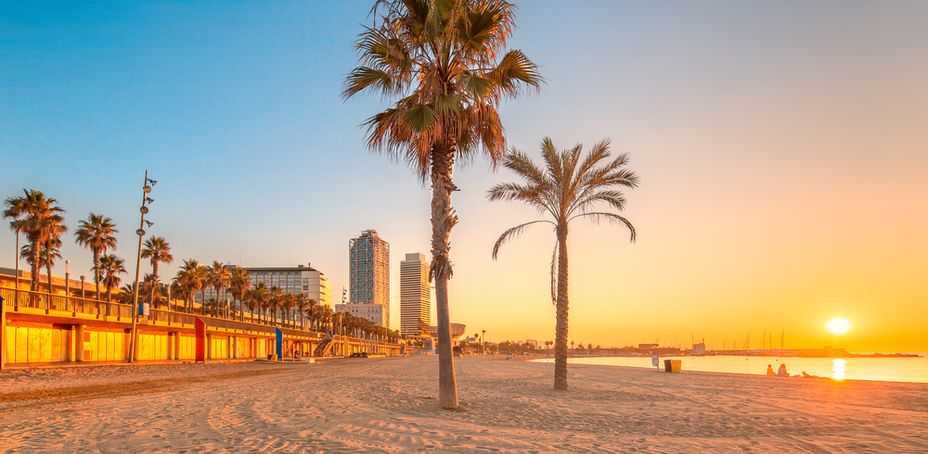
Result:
[
  {"x": 560, "y": 335},
  {"x": 154, "y": 283},
  {"x": 443, "y": 219},
  {"x": 36, "y": 264},
  {"x": 96, "y": 272},
  {"x": 48, "y": 272}
]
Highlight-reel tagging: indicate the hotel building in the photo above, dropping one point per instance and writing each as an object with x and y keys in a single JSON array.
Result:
[
  {"x": 415, "y": 296},
  {"x": 300, "y": 279},
  {"x": 369, "y": 278}
]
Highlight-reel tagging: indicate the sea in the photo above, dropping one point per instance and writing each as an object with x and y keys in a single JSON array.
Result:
[{"x": 912, "y": 370}]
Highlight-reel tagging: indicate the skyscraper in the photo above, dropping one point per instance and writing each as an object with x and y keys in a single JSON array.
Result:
[
  {"x": 415, "y": 296},
  {"x": 369, "y": 276}
]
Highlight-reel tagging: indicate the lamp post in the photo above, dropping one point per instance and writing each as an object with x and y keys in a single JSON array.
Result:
[
  {"x": 16, "y": 293},
  {"x": 146, "y": 189},
  {"x": 82, "y": 286},
  {"x": 67, "y": 283}
]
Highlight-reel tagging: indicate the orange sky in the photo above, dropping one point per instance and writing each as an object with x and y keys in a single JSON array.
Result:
[{"x": 782, "y": 149}]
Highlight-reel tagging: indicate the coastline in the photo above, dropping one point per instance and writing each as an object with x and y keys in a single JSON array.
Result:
[
  {"x": 389, "y": 405},
  {"x": 692, "y": 364}
]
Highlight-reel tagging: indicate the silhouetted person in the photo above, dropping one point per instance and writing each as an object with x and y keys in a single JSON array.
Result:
[
  {"x": 770, "y": 371},
  {"x": 781, "y": 372}
]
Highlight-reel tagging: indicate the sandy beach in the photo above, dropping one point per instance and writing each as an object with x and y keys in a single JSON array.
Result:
[{"x": 388, "y": 405}]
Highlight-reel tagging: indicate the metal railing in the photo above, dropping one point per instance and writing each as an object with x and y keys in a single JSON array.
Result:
[{"x": 17, "y": 298}]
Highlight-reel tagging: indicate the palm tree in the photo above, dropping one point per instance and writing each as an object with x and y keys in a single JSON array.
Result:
[
  {"x": 275, "y": 302},
  {"x": 239, "y": 282},
  {"x": 40, "y": 219},
  {"x": 438, "y": 61},
  {"x": 311, "y": 312},
  {"x": 110, "y": 267},
  {"x": 190, "y": 278},
  {"x": 257, "y": 298},
  {"x": 97, "y": 233},
  {"x": 126, "y": 294},
  {"x": 568, "y": 188},
  {"x": 304, "y": 306},
  {"x": 51, "y": 247},
  {"x": 49, "y": 252},
  {"x": 156, "y": 250},
  {"x": 218, "y": 276}
]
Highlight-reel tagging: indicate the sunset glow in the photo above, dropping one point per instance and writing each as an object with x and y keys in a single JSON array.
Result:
[{"x": 838, "y": 326}]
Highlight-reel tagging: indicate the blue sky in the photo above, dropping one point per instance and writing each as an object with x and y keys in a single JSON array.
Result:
[{"x": 741, "y": 119}]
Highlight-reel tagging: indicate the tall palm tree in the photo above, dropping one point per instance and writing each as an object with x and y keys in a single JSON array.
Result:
[
  {"x": 51, "y": 248},
  {"x": 40, "y": 219},
  {"x": 568, "y": 188},
  {"x": 97, "y": 233},
  {"x": 49, "y": 252},
  {"x": 157, "y": 251},
  {"x": 275, "y": 302},
  {"x": 438, "y": 60},
  {"x": 190, "y": 278},
  {"x": 219, "y": 277},
  {"x": 239, "y": 283},
  {"x": 257, "y": 297},
  {"x": 110, "y": 267},
  {"x": 311, "y": 312}
]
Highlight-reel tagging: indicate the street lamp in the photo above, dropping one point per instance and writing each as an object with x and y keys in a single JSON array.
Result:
[
  {"x": 67, "y": 283},
  {"x": 147, "y": 185}
]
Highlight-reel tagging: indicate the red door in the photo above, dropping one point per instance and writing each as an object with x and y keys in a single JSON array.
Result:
[{"x": 201, "y": 341}]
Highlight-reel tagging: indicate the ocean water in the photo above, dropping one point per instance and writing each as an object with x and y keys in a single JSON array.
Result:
[{"x": 914, "y": 370}]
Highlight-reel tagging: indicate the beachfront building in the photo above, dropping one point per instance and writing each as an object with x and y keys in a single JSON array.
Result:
[
  {"x": 300, "y": 280},
  {"x": 415, "y": 295},
  {"x": 369, "y": 278},
  {"x": 376, "y": 313},
  {"x": 63, "y": 327}
]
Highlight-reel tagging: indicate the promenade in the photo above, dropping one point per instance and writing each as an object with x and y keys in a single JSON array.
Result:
[{"x": 388, "y": 405}]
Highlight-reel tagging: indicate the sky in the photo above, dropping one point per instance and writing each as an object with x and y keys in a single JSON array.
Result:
[{"x": 781, "y": 147}]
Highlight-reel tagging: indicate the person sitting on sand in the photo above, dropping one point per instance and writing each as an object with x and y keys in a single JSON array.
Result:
[
  {"x": 781, "y": 372},
  {"x": 770, "y": 372}
]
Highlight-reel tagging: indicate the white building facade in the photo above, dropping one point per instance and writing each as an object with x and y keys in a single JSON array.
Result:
[{"x": 300, "y": 279}]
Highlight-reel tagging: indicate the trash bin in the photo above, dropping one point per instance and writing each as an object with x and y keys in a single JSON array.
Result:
[{"x": 673, "y": 366}]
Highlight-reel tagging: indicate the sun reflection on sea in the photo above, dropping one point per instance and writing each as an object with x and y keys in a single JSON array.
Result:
[{"x": 838, "y": 368}]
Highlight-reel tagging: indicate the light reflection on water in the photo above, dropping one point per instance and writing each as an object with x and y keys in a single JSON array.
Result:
[
  {"x": 882, "y": 369},
  {"x": 838, "y": 369}
]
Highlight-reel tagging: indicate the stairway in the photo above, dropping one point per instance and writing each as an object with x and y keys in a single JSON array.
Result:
[{"x": 323, "y": 348}]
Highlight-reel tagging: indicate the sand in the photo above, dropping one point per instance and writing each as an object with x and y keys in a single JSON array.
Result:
[{"x": 388, "y": 405}]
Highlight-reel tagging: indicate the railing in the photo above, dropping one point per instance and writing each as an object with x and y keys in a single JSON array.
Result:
[
  {"x": 18, "y": 298},
  {"x": 171, "y": 317}
]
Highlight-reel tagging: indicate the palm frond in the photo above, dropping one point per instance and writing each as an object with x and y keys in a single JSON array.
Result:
[
  {"x": 554, "y": 273},
  {"x": 514, "y": 73},
  {"x": 514, "y": 232},
  {"x": 612, "y": 198},
  {"x": 599, "y": 216}
]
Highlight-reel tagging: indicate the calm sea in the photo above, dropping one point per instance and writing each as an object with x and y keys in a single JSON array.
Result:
[{"x": 882, "y": 369}]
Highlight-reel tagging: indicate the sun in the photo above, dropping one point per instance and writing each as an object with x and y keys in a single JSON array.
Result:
[{"x": 838, "y": 326}]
